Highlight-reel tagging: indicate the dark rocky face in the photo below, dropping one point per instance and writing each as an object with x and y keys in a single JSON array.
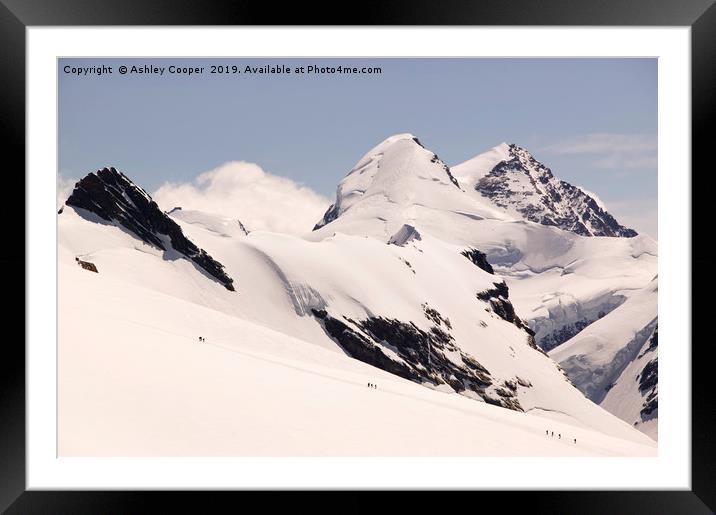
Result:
[
  {"x": 112, "y": 196},
  {"x": 498, "y": 298},
  {"x": 330, "y": 215},
  {"x": 479, "y": 259},
  {"x": 525, "y": 184},
  {"x": 424, "y": 353},
  {"x": 649, "y": 381},
  {"x": 446, "y": 168}
]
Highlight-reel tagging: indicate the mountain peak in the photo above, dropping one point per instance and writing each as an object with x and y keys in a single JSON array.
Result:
[
  {"x": 113, "y": 197},
  {"x": 400, "y": 137},
  {"x": 524, "y": 186},
  {"x": 400, "y": 171}
]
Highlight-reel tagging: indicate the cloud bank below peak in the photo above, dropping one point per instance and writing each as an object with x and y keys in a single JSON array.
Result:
[{"x": 242, "y": 190}]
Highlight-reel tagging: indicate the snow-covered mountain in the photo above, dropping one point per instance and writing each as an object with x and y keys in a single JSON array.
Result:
[
  {"x": 411, "y": 280},
  {"x": 520, "y": 184},
  {"x": 561, "y": 280}
]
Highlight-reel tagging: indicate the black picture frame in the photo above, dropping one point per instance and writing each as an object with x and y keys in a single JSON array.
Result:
[{"x": 16, "y": 15}]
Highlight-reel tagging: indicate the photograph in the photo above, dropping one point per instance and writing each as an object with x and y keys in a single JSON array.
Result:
[{"x": 357, "y": 257}]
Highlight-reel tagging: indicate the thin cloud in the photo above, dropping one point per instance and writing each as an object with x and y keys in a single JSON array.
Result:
[
  {"x": 614, "y": 151},
  {"x": 260, "y": 200},
  {"x": 65, "y": 185}
]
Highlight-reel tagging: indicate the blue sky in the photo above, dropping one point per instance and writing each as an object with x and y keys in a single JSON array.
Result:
[{"x": 592, "y": 121}]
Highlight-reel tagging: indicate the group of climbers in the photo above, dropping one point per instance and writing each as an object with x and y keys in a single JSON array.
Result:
[{"x": 559, "y": 435}]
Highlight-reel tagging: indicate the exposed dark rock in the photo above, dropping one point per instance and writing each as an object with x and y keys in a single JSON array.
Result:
[
  {"x": 113, "y": 197},
  {"x": 434, "y": 316},
  {"x": 651, "y": 404},
  {"x": 362, "y": 348},
  {"x": 331, "y": 214},
  {"x": 242, "y": 227},
  {"x": 653, "y": 343},
  {"x": 87, "y": 265},
  {"x": 479, "y": 259},
  {"x": 446, "y": 168},
  {"x": 421, "y": 354},
  {"x": 500, "y": 290},
  {"x": 547, "y": 200},
  {"x": 512, "y": 385},
  {"x": 649, "y": 379},
  {"x": 498, "y": 297}
]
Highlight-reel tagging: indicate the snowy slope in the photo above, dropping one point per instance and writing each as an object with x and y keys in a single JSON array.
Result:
[
  {"x": 135, "y": 381},
  {"x": 221, "y": 225},
  {"x": 411, "y": 278}
]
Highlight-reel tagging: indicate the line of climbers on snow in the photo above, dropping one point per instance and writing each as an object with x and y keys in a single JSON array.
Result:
[
  {"x": 559, "y": 435},
  {"x": 373, "y": 385}
]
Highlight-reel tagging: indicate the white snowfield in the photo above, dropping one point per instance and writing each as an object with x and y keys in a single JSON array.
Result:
[{"x": 134, "y": 378}]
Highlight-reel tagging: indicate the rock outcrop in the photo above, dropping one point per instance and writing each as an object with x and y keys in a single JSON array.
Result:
[{"x": 113, "y": 197}]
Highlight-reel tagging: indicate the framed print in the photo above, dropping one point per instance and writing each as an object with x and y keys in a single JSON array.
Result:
[{"x": 420, "y": 252}]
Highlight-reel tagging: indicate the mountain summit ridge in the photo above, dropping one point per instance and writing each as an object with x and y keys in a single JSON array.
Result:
[
  {"x": 394, "y": 170},
  {"x": 507, "y": 179},
  {"x": 545, "y": 199}
]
